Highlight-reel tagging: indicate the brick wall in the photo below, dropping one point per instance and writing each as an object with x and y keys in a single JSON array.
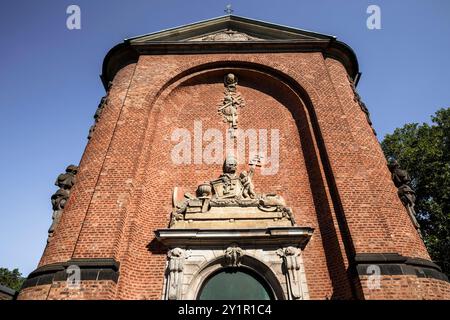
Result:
[
  {"x": 89, "y": 290},
  {"x": 406, "y": 288}
]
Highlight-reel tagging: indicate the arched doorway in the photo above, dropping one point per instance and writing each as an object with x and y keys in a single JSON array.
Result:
[{"x": 235, "y": 284}]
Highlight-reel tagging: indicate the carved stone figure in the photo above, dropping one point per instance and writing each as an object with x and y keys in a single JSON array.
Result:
[
  {"x": 290, "y": 256},
  {"x": 230, "y": 82},
  {"x": 405, "y": 192},
  {"x": 248, "y": 190},
  {"x": 91, "y": 131},
  {"x": 227, "y": 35},
  {"x": 98, "y": 112},
  {"x": 231, "y": 102},
  {"x": 59, "y": 199},
  {"x": 229, "y": 173},
  {"x": 175, "y": 267},
  {"x": 229, "y": 110},
  {"x": 65, "y": 182},
  {"x": 179, "y": 209},
  {"x": 362, "y": 105},
  {"x": 226, "y": 195},
  {"x": 288, "y": 214},
  {"x": 233, "y": 256}
]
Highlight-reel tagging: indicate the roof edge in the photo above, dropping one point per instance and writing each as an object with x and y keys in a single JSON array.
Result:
[{"x": 128, "y": 51}]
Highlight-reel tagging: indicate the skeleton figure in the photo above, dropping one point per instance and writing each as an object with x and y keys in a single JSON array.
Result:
[
  {"x": 230, "y": 82},
  {"x": 230, "y": 103},
  {"x": 229, "y": 110}
]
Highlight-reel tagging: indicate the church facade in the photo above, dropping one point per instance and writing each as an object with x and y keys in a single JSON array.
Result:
[{"x": 233, "y": 158}]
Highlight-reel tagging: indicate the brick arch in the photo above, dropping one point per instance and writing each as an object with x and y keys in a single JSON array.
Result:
[
  {"x": 249, "y": 262},
  {"x": 301, "y": 86},
  {"x": 327, "y": 239}
]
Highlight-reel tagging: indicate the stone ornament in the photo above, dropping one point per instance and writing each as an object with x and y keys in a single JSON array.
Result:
[
  {"x": 232, "y": 195},
  {"x": 230, "y": 103},
  {"x": 405, "y": 192},
  {"x": 290, "y": 256},
  {"x": 98, "y": 112},
  {"x": 362, "y": 105},
  {"x": 230, "y": 190},
  {"x": 228, "y": 35},
  {"x": 233, "y": 256},
  {"x": 175, "y": 268},
  {"x": 65, "y": 182}
]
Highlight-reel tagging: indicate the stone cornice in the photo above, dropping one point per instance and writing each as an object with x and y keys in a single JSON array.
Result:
[
  {"x": 396, "y": 264},
  {"x": 90, "y": 269},
  {"x": 276, "y": 38},
  {"x": 282, "y": 236}
]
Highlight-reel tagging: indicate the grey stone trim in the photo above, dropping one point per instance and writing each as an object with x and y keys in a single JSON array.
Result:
[
  {"x": 7, "y": 292},
  {"x": 91, "y": 269},
  {"x": 276, "y": 38},
  {"x": 396, "y": 264},
  {"x": 282, "y": 236}
]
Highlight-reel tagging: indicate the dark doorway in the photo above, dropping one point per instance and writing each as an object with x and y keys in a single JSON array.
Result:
[{"x": 235, "y": 284}]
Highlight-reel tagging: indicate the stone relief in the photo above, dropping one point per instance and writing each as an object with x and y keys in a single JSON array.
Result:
[
  {"x": 98, "y": 112},
  {"x": 230, "y": 197},
  {"x": 227, "y": 35},
  {"x": 230, "y": 104},
  {"x": 233, "y": 255},
  {"x": 405, "y": 192},
  {"x": 65, "y": 182},
  {"x": 175, "y": 268},
  {"x": 362, "y": 105},
  {"x": 290, "y": 256}
]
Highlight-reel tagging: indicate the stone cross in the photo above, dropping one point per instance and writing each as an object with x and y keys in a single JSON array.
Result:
[{"x": 228, "y": 9}]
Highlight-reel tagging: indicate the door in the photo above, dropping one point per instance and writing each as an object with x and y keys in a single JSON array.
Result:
[{"x": 235, "y": 284}]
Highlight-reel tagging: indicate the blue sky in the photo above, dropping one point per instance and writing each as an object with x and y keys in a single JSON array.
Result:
[{"x": 50, "y": 86}]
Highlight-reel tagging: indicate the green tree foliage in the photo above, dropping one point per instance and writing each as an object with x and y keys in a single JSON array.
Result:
[
  {"x": 12, "y": 279},
  {"x": 424, "y": 151}
]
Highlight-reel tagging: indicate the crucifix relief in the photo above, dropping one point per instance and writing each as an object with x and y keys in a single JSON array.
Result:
[{"x": 230, "y": 103}]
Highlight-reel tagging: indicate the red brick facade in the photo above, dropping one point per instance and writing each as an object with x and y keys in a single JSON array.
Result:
[{"x": 332, "y": 173}]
